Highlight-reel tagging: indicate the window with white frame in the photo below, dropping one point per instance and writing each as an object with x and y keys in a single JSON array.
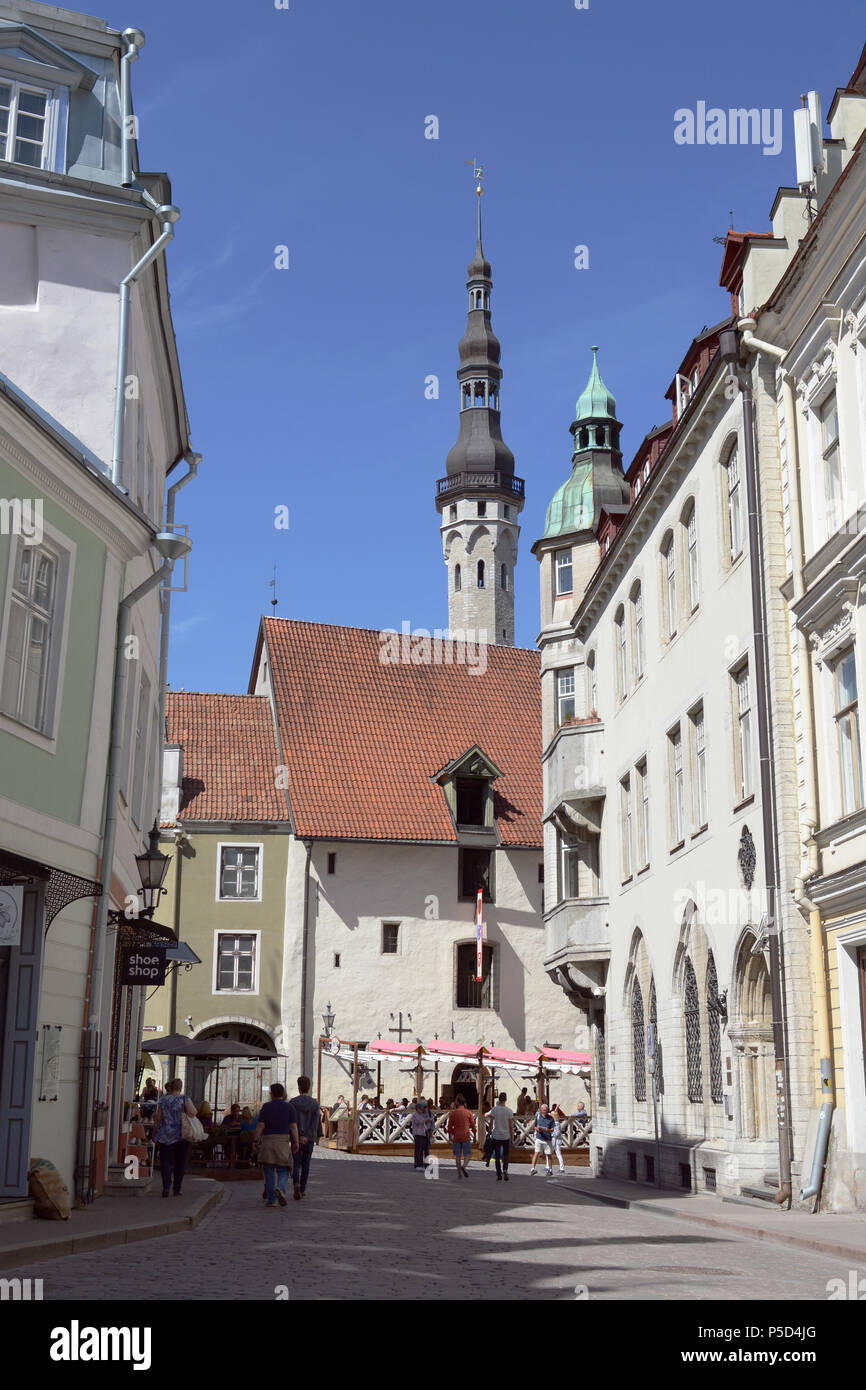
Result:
[
  {"x": 25, "y": 113},
  {"x": 643, "y": 823},
  {"x": 677, "y": 785},
  {"x": 847, "y": 723},
  {"x": 669, "y": 576},
  {"x": 743, "y": 761},
  {"x": 620, "y": 640},
  {"x": 833, "y": 489},
  {"x": 625, "y": 825},
  {"x": 691, "y": 528},
  {"x": 734, "y": 504},
  {"x": 638, "y": 631},
  {"x": 564, "y": 694},
  {"x": 236, "y": 963},
  {"x": 31, "y": 636},
  {"x": 390, "y": 938},
  {"x": 564, "y": 572},
  {"x": 569, "y": 868},
  {"x": 700, "y": 800},
  {"x": 592, "y": 683},
  {"x": 239, "y": 871}
]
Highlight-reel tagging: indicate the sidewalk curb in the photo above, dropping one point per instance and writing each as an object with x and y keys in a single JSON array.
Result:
[
  {"x": 22, "y": 1255},
  {"x": 818, "y": 1244}
]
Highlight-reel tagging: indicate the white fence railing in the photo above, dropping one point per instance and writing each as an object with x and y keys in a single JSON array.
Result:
[{"x": 395, "y": 1127}]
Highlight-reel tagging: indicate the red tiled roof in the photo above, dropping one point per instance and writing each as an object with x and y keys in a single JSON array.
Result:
[
  {"x": 230, "y": 757},
  {"x": 362, "y": 739}
]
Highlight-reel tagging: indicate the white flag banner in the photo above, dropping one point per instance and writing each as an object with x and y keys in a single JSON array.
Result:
[{"x": 11, "y": 906}]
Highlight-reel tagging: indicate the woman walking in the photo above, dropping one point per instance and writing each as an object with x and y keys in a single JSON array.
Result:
[{"x": 173, "y": 1148}]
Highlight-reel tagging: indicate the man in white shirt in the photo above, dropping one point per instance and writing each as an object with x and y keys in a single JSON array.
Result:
[{"x": 501, "y": 1133}]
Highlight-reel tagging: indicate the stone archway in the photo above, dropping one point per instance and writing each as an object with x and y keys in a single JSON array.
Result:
[{"x": 240, "y": 1079}]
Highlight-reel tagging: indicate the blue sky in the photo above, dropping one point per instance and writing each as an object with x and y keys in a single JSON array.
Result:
[{"x": 305, "y": 387}]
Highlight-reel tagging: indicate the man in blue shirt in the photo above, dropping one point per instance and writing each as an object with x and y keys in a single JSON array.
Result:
[
  {"x": 543, "y": 1127},
  {"x": 276, "y": 1143},
  {"x": 309, "y": 1130}
]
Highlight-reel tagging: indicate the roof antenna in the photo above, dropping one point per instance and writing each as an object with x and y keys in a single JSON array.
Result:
[{"x": 272, "y": 584}]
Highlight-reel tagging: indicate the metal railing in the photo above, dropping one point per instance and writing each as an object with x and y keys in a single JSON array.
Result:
[{"x": 395, "y": 1127}]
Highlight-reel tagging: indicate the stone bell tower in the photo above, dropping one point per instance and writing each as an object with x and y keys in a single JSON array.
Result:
[{"x": 480, "y": 499}]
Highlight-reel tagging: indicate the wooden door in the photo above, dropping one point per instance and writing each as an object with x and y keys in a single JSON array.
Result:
[{"x": 18, "y": 1056}]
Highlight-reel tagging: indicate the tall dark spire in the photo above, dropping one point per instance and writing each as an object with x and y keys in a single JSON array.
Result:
[{"x": 480, "y": 446}]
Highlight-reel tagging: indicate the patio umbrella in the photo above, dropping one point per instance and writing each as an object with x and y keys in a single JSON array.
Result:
[{"x": 176, "y": 1045}]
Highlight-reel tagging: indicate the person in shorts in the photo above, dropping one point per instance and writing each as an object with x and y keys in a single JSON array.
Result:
[
  {"x": 461, "y": 1129},
  {"x": 543, "y": 1129}
]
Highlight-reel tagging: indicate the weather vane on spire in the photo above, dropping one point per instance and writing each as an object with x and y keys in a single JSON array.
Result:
[
  {"x": 478, "y": 175},
  {"x": 272, "y": 584}
]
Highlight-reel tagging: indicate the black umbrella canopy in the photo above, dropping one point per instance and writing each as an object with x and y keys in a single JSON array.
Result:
[{"x": 176, "y": 1045}]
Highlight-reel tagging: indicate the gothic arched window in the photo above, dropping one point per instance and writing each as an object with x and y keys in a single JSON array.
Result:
[
  {"x": 714, "y": 1022},
  {"x": 638, "y": 1044},
  {"x": 481, "y": 574},
  {"x": 692, "y": 1019},
  {"x": 458, "y": 580}
]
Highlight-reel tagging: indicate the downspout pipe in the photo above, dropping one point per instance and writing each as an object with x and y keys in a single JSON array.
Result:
[
  {"x": 308, "y": 844},
  {"x": 168, "y": 214},
  {"x": 816, "y": 931},
  {"x": 193, "y": 460},
  {"x": 109, "y": 838},
  {"x": 134, "y": 40},
  {"x": 729, "y": 347}
]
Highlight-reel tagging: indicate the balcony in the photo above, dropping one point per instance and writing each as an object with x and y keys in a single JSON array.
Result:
[
  {"x": 574, "y": 776},
  {"x": 577, "y": 947},
  {"x": 479, "y": 481}
]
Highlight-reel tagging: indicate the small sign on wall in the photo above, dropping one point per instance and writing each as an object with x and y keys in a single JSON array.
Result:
[
  {"x": 49, "y": 1065},
  {"x": 11, "y": 905}
]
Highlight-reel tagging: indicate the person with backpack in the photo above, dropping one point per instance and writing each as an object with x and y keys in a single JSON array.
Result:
[{"x": 168, "y": 1133}]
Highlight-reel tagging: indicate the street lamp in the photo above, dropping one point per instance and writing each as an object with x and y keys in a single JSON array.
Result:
[
  {"x": 152, "y": 869},
  {"x": 328, "y": 1019}
]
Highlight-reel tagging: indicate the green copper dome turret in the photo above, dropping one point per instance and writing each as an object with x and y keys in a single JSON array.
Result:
[
  {"x": 595, "y": 402},
  {"x": 597, "y": 482}
]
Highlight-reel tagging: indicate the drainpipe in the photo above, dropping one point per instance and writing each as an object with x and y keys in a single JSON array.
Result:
[
  {"x": 134, "y": 40},
  {"x": 193, "y": 460},
  {"x": 168, "y": 214},
  {"x": 810, "y": 816},
  {"x": 308, "y": 845},
  {"x": 170, "y": 548},
  {"x": 729, "y": 348}
]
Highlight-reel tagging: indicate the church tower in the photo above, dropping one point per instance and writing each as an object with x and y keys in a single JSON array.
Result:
[{"x": 480, "y": 499}]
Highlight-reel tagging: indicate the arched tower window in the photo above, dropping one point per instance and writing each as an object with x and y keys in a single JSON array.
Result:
[
  {"x": 583, "y": 438},
  {"x": 714, "y": 1022},
  {"x": 458, "y": 579},
  {"x": 503, "y": 577},
  {"x": 638, "y": 1044},
  {"x": 692, "y": 1020},
  {"x": 481, "y": 574},
  {"x": 600, "y": 436}
]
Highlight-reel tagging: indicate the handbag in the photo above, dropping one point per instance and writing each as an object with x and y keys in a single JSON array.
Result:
[{"x": 191, "y": 1127}]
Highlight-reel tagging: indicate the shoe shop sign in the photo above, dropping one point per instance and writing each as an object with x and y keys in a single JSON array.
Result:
[{"x": 143, "y": 965}]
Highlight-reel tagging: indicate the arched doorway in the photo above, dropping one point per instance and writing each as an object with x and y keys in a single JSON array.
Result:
[
  {"x": 464, "y": 1082},
  {"x": 241, "y": 1079},
  {"x": 752, "y": 1036}
]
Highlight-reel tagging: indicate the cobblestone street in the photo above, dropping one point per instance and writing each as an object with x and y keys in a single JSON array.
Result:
[{"x": 374, "y": 1229}]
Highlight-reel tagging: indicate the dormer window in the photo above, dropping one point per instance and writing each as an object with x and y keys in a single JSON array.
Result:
[
  {"x": 37, "y": 78},
  {"x": 24, "y": 124},
  {"x": 468, "y": 786}
]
